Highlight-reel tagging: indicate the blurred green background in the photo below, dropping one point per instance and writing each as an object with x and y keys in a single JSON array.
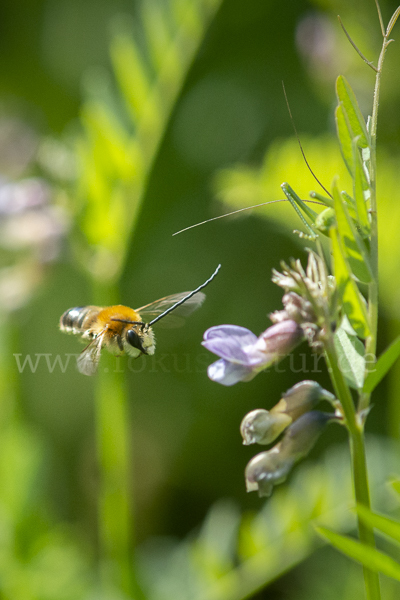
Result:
[{"x": 227, "y": 117}]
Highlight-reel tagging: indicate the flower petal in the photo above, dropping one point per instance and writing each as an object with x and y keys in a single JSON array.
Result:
[
  {"x": 228, "y": 373},
  {"x": 233, "y": 343},
  {"x": 280, "y": 339},
  {"x": 221, "y": 331}
]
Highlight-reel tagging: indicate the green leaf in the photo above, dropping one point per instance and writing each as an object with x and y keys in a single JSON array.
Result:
[
  {"x": 389, "y": 527},
  {"x": 369, "y": 557},
  {"x": 135, "y": 83},
  {"x": 350, "y": 203},
  {"x": 322, "y": 198},
  {"x": 353, "y": 302},
  {"x": 361, "y": 192},
  {"x": 345, "y": 136},
  {"x": 348, "y": 199},
  {"x": 384, "y": 363},
  {"x": 155, "y": 19},
  {"x": 325, "y": 220},
  {"x": 353, "y": 245},
  {"x": 353, "y": 113},
  {"x": 392, "y": 21},
  {"x": 350, "y": 351},
  {"x": 300, "y": 207}
]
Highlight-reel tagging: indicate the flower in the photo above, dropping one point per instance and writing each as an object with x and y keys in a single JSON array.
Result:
[
  {"x": 310, "y": 297},
  {"x": 270, "y": 468},
  {"x": 243, "y": 354},
  {"x": 263, "y": 427},
  {"x": 301, "y": 398}
]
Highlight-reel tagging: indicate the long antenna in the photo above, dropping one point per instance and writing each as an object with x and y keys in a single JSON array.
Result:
[
  {"x": 242, "y": 210},
  {"x": 299, "y": 142},
  {"x": 174, "y": 306}
]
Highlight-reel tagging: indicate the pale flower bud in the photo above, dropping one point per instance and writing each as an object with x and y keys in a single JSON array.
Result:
[
  {"x": 272, "y": 467},
  {"x": 266, "y": 470},
  {"x": 301, "y": 398},
  {"x": 263, "y": 427}
]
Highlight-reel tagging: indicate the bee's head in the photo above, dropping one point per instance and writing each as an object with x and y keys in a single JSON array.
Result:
[{"x": 140, "y": 338}]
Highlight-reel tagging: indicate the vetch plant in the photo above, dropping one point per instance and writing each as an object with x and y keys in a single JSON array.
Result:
[{"x": 332, "y": 303}]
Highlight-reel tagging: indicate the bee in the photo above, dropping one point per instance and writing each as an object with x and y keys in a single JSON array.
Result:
[{"x": 124, "y": 330}]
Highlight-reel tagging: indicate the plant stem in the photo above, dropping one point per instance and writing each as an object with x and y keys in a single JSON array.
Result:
[
  {"x": 114, "y": 511},
  {"x": 355, "y": 421},
  {"x": 115, "y": 515},
  {"x": 358, "y": 459},
  {"x": 361, "y": 489},
  {"x": 373, "y": 286}
]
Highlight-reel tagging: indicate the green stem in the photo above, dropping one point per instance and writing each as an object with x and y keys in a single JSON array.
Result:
[
  {"x": 114, "y": 511},
  {"x": 340, "y": 386},
  {"x": 358, "y": 459},
  {"x": 361, "y": 489},
  {"x": 370, "y": 348},
  {"x": 115, "y": 514}
]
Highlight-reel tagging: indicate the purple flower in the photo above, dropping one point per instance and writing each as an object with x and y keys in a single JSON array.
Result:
[{"x": 243, "y": 354}]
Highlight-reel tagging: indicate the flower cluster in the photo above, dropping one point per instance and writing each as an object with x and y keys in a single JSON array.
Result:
[
  {"x": 302, "y": 427},
  {"x": 269, "y": 468},
  {"x": 262, "y": 426},
  {"x": 309, "y": 299},
  {"x": 308, "y": 302},
  {"x": 309, "y": 308}
]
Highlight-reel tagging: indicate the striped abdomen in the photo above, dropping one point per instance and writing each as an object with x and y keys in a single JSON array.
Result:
[{"x": 78, "y": 319}]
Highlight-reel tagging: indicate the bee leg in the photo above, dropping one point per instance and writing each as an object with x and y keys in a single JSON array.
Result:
[{"x": 119, "y": 342}]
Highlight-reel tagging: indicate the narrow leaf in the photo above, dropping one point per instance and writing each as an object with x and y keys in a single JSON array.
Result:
[
  {"x": 350, "y": 351},
  {"x": 300, "y": 207},
  {"x": 361, "y": 192},
  {"x": 294, "y": 199},
  {"x": 389, "y": 527},
  {"x": 353, "y": 245},
  {"x": 392, "y": 21},
  {"x": 135, "y": 82},
  {"x": 369, "y": 557},
  {"x": 353, "y": 113},
  {"x": 353, "y": 302},
  {"x": 321, "y": 198},
  {"x": 158, "y": 34},
  {"x": 350, "y": 202},
  {"x": 325, "y": 220},
  {"x": 384, "y": 363},
  {"x": 345, "y": 138}
]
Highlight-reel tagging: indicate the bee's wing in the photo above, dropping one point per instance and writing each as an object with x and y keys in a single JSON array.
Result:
[
  {"x": 175, "y": 318},
  {"x": 88, "y": 360}
]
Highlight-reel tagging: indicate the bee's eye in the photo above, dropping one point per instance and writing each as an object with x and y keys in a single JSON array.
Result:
[{"x": 134, "y": 340}]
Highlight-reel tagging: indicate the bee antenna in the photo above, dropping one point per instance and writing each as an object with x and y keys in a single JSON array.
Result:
[
  {"x": 174, "y": 306},
  {"x": 128, "y": 321}
]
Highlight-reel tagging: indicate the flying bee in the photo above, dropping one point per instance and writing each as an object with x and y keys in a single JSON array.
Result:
[{"x": 121, "y": 329}]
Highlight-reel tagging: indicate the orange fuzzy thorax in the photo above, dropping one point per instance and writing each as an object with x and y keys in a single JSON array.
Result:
[{"x": 107, "y": 315}]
